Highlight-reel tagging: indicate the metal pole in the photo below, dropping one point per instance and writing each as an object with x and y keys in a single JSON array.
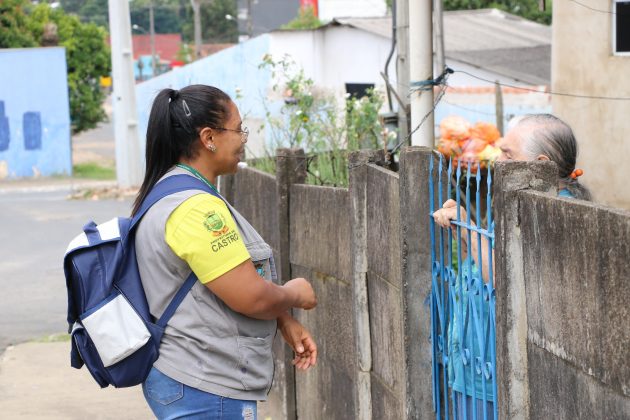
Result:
[
  {"x": 249, "y": 18},
  {"x": 499, "y": 106},
  {"x": 152, "y": 39},
  {"x": 128, "y": 158},
  {"x": 196, "y": 6},
  {"x": 402, "y": 65},
  {"x": 421, "y": 69},
  {"x": 439, "y": 36}
]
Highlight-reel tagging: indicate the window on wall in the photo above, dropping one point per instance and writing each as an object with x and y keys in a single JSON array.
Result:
[
  {"x": 621, "y": 27},
  {"x": 358, "y": 90}
]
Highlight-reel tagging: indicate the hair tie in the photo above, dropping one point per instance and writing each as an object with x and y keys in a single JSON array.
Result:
[
  {"x": 576, "y": 173},
  {"x": 173, "y": 95}
]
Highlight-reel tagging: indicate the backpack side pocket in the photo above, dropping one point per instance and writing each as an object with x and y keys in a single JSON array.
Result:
[
  {"x": 83, "y": 351},
  {"x": 115, "y": 328}
]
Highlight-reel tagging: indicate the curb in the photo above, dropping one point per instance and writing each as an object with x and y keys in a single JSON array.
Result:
[{"x": 52, "y": 186}]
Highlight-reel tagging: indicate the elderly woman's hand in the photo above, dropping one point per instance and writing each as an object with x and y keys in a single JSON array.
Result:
[{"x": 448, "y": 212}]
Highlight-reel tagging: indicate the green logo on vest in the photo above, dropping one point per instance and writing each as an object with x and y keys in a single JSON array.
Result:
[{"x": 215, "y": 223}]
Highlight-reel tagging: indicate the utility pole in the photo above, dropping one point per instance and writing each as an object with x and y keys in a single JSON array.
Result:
[
  {"x": 439, "y": 36},
  {"x": 420, "y": 71},
  {"x": 128, "y": 158},
  {"x": 498, "y": 94},
  {"x": 249, "y": 19},
  {"x": 196, "y": 6},
  {"x": 402, "y": 65},
  {"x": 152, "y": 39}
]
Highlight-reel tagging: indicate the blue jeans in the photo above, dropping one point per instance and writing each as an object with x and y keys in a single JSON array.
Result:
[{"x": 170, "y": 399}]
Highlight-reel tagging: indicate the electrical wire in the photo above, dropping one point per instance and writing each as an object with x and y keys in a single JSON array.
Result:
[
  {"x": 571, "y": 95},
  {"x": 592, "y": 8}
]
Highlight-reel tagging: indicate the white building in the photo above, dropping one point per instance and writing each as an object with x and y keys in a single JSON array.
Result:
[
  {"x": 331, "y": 9},
  {"x": 350, "y": 54}
]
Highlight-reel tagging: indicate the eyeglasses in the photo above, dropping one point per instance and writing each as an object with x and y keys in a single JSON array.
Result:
[{"x": 244, "y": 132}]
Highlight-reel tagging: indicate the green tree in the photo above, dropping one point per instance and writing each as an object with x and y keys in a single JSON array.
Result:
[
  {"x": 14, "y": 31},
  {"x": 88, "y": 11},
  {"x": 528, "y": 9},
  {"x": 168, "y": 15},
  {"x": 87, "y": 58},
  {"x": 215, "y": 27},
  {"x": 305, "y": 19}
]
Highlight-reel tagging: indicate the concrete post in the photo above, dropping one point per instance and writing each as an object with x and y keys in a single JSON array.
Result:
[
  {"x": 416, "y": 280},
  {"x": 152, "y": 39},
  {"x": 421, "y": 69},
  {"x": 226, "y": 187},
  {"x": 129, "y": 168},
  {"x": 402, "y": 66},
  {"x": 511, "y": 309},
  {"x": 290, "y": 169},
  {"x": 357, "y": 162},
  {"x": 196, "y": 6}
]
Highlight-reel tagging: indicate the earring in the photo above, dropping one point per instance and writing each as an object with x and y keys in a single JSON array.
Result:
[{"x": 212, "y": 148}]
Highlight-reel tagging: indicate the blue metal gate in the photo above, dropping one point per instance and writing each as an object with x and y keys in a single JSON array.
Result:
[{"x": 462, "y": 294}]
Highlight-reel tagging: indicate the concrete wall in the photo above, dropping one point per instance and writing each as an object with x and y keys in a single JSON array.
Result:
[
  {"x": 371, "y": 367},
  {"x": 577, "y": 308},
  {"x": 34, "y": 113},
  {"x": 258, "y": 206},
  {"x": 562, "y": 329},
  {"x": 385, "y": 293},
  {"x": 320, "y": 252},
  {"x": 561, "y": 291},
  {"x": 601, "y": 126}
]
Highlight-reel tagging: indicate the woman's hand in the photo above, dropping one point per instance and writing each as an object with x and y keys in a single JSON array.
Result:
[
  {"x": 304, "y": 291},
  {"x": 300, "y": 341},
  {"x": 448, "y": 212}
]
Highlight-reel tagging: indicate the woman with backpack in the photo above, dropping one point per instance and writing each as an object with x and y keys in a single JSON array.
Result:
[{"x": 215, "y": 358}]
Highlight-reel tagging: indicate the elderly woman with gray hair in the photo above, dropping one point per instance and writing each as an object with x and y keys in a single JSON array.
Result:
[{"x": 530, "y": 137}]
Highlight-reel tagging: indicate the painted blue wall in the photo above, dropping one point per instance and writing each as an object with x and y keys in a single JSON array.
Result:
[
  {"x": 229, "y": 69},
  {"x": 34, "y": 113}
]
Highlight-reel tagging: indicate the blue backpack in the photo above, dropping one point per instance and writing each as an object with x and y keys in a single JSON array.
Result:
[{"x": 113, "y": 332}]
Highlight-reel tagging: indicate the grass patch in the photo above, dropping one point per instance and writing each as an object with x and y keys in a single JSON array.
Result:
[{"x": 93, "y": 171}]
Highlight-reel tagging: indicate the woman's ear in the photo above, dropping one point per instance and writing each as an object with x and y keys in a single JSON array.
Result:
[
  {"x": 542, "y": 157},
  {"x": 206, "y": 136}
]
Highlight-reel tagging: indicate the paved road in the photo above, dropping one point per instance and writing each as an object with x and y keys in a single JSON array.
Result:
[
  {"x": 36, "y": 224},
  {"x": 96, "y": 145}
]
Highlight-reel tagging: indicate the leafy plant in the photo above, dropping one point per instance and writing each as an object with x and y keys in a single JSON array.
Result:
[
  {"x": 14, "y": 31},
  {"x": 326, "y": 127},
  {"x": 88, "y": 58}
]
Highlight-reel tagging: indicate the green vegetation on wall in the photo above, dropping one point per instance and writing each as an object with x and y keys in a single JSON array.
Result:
[
  {"x": 326, "y": 127},
  {"x": 305, "y": 19}
]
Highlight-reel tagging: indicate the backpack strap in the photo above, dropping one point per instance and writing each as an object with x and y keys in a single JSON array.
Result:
[
  {"x": 171, "y": 185},
  {"x": 179, "y": 297}
]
